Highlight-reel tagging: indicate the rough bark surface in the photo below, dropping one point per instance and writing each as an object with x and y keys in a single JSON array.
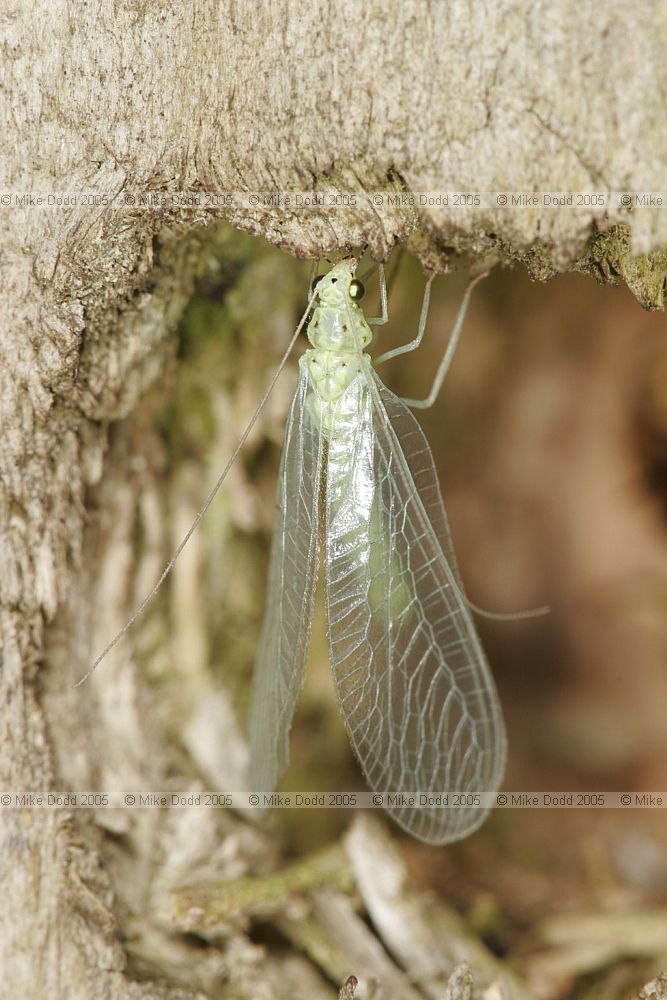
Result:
[{"x": 130, "y": 98}]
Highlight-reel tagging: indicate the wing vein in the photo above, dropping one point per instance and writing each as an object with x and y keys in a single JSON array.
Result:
[{"x": 413, "y": 684}]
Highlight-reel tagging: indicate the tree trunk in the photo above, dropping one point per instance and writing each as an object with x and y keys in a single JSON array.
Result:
[{"x": 415, "y": 126}]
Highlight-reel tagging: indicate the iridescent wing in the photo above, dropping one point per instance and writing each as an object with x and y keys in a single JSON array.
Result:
[
  {"x": 414, "y": 687},
  {"x": 283, "y": 645}
]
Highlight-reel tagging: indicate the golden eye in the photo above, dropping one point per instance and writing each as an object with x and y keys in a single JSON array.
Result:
[{"x": 357, "y": 290}]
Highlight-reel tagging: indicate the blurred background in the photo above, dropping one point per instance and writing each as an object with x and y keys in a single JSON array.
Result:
[
  {"x": 550, "y": 437},
  {"x": 551, "y": 441}
]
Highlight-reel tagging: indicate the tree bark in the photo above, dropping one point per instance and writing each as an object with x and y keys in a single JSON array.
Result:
[{"x": 369, "y": 108}]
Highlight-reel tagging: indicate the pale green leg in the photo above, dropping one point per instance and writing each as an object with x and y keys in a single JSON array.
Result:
[
  {"x": 381, "y": 320},
  {"x": 423, "y": 404}
]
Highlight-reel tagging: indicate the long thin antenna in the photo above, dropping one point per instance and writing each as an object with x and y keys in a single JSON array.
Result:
[{"x": 209, "y": 500}]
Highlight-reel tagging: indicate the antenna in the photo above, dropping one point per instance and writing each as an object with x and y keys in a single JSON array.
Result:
[{"x": 207, "y": 503}]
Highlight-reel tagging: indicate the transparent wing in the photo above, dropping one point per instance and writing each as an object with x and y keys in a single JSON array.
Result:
[
  {"x": 283, "y": 645},
  {"x": 413, "y": 683},
  {"x": 417, "y": 453}
]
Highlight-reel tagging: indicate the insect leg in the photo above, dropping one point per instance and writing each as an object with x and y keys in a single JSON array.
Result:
[
  {"x": 423, "y": 404},
  {"x": 414, "y": 344},
  {"x": 381, "y": 320}
]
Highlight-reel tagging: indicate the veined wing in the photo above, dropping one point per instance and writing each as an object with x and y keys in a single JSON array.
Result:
[
  {"x": 283, "y": 644},
  {"x": 417, "y": 453},
  {"x": 413, "y": 683}
]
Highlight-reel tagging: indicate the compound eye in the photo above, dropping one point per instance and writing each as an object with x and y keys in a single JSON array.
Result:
[
  {"x": 357, "y": 290},
  {"x": 315, "y": 282}
]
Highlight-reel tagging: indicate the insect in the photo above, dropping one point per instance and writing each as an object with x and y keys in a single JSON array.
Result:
[
  {"x": 413, "y": 684},
  {"x": 415, "y": 690}
]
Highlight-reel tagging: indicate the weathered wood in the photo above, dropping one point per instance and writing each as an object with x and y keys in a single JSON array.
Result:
[
  {"x": 127, "y": 99},
  {"x": 428, "y": 940}
]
